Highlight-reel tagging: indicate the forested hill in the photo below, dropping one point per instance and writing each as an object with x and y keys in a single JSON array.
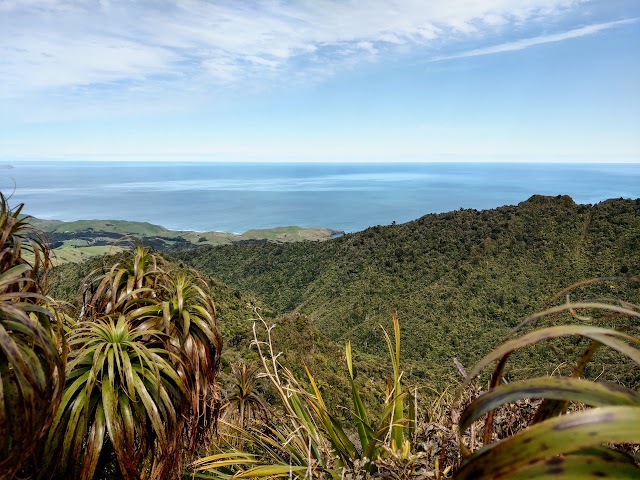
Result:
[{"x": 459, "y": 281}]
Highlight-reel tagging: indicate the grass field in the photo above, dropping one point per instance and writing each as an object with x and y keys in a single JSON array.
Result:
[{"x": 77, "y": 240}]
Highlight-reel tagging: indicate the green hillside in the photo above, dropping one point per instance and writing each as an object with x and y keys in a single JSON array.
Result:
[
  {"x": 460, "y": 281},
  {"x": 78, "y": 240},
  {"x": 296, "y": 336}
]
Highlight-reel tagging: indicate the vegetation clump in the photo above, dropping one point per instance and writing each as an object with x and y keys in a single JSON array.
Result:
[
  {"x": 126, "y": 387},
  {"x": 32, "y": 344},
  {"x": 124, "y": 382},
  {"x": 545, "y": 427}
]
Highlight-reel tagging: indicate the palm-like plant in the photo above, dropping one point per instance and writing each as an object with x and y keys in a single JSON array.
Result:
[
  {"x": 140, "y": 312},
  {"x": 20, "y": 244},
  {"x": 565, "y": 446},
  {"x": 124, "y": 286},
  {"x": 31, "y": 350},
  {"x": 189, "y": 323},
  {"x": 122, "y": 386},
  {"x": 244, "y": 402}
]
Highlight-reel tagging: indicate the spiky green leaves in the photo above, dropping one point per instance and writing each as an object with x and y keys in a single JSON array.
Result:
[
  {"x": 244, "y": 402},
  {"x": 568, "y": 446},
  {"x": 20, "y": 244},
  {"x": 124, "y": 286},
  {"x": 31, "y": 351},
  {"x": 31, "y": 371},
  {"x": 314, "y": 443},
  {"x": 141, "y": 380},
  {"x": 189, "y": 321},
  {"x": 121, "y": 385}
]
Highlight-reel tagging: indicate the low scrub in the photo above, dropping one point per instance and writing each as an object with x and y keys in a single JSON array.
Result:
[
  {"x": 544, "y": 427},
  {"x": 127, "y": 387}
]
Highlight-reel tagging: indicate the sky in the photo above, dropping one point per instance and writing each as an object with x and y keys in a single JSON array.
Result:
[{"x": 320, "y": 80}]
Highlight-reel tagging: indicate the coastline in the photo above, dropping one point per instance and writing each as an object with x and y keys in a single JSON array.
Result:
[{"x": 77, "y": 240}]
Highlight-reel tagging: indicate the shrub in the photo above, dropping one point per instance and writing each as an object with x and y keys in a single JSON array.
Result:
[
  {"x": 32, "y": 349},
  {"x": 312, "y": 441},
  {"x": 141, "y": 392}
]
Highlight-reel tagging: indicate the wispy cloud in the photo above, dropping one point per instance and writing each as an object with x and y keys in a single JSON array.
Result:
[
  {"x": 530, "y": 42},
  {"x": 64, "y": 43}
]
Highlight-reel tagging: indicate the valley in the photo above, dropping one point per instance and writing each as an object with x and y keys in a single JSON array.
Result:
[{"x": 460, "y": 282}]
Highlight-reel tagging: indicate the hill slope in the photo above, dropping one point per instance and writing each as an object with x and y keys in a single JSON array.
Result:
[
  {"x": 295, "y": 335},
  {"x": 81, "y": 239},
  {"x": 460, "y": 280}
]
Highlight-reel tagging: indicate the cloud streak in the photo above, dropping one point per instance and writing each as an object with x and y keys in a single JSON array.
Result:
[
  {"x": 64, "y": 43},
  {"x": 531, "y": 42}
]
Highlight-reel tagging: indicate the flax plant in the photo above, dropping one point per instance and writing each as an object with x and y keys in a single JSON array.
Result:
[
  {"x": 558, "y": 444},
  {"x": 313, "y": 442}
]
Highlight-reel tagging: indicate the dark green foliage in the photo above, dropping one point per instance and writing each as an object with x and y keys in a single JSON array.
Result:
[{"x": 460, "y": 280}]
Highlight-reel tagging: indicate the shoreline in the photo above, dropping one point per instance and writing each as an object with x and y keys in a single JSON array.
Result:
[{"x": 77, "y": 240}]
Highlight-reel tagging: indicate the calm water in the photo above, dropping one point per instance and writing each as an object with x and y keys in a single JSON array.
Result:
[{"x": 350, "y": 197}]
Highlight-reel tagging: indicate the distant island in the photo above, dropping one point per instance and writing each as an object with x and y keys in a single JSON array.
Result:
[{"x": 6, "y": 167}]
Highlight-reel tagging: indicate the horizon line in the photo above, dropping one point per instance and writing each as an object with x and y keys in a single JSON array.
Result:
[{"x": 558, "y": 159}]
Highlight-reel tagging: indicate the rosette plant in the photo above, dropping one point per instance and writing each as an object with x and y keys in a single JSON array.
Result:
[
  {"x": 157, "y": 294},
  {"x": 32, "y": 349},
  {"x": 189, "y": 323},
  {"x": 244, "y": 403},
  {"x": 122, "y": 400},
  {"x": 141, "y": 394}
]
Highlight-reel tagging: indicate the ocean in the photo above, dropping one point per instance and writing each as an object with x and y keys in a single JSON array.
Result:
[{"x": 235, "y": 197}]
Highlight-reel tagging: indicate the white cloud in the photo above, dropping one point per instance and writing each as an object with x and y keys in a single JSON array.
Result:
[
  {"x": 52, "y": 60},
  {"x": 64, "y": 43},
  {"x": 530, "y": 42},
  {"x": 367, "y": 47},
  {"x": 224, "y": 69}
]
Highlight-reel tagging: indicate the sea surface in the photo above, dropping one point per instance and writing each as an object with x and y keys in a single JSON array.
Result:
[{"x": 237, "y": 197}]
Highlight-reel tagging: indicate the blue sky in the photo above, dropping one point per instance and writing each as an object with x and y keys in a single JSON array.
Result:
[{"x": 320, "y": 80}]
